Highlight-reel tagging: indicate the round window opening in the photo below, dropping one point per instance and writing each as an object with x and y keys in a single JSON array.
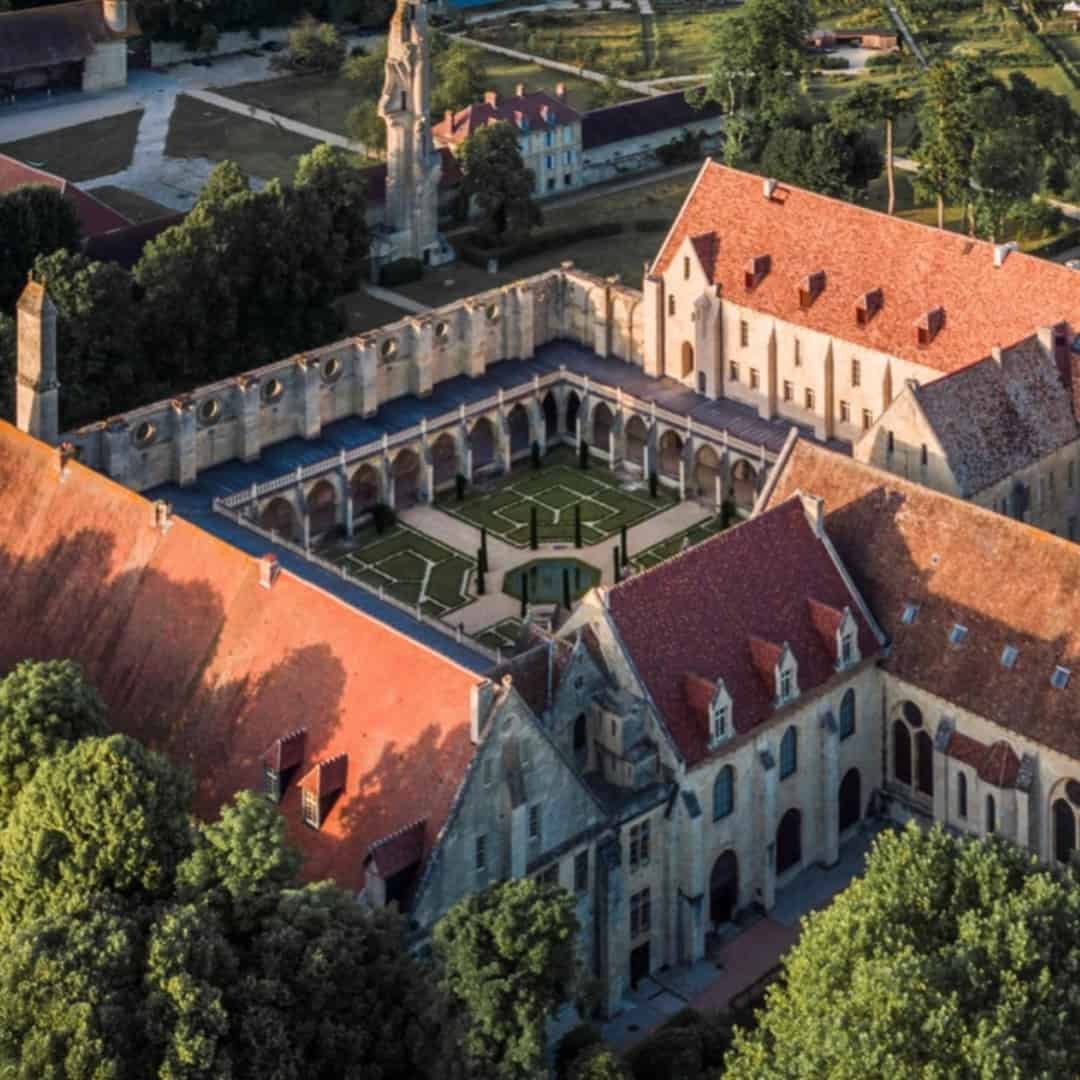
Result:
[
  {"x": 442, "y": 331},
  {"x": 144, "y": 433},
  {"x": 912, "y": 714},
  {"x": 210, "y": 411},
  {"x": 389, "y": 348},
  {"x": 273, "y": 390},
  {"x": 332, "y": 369},
  {"x": 492, "y": 313},
  {"x": 1072, "y": 790}
]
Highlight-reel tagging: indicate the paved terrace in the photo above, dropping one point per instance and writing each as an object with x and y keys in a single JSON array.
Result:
[{"x": 195, "y": 502}]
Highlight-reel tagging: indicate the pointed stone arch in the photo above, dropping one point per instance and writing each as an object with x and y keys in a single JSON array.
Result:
[
  {"x": 603, "y": 423},
  {"x": 706, "y": 471},
  {"x": 364, "y": 488},
  {"x": 573, "y": 410},
  {"x": 670, "y": 454},
  {"x": 550, "y": 409},
  {"x": 637, "y": 439},
  {"x": 405, "y": 471},
  {"x": 322, "y": 507},
  {"x": 445, "y": 460},
  {"x": 279, "y": 515},
  {"x": 482, "y": 443},
  {"x": 744, "y": 485},
  {"x": 518, "y": 429}
]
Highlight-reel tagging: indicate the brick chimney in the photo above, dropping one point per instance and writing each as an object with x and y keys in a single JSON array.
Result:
[
  {"x": 115, "y": 13},
  {"x": 269, "y": 569},
  {"x": 519, "y": 90},
  {"x": 560, "y": 91},
  {"x": 66, "y": 452},
  {"x": 491, "y": 98}
]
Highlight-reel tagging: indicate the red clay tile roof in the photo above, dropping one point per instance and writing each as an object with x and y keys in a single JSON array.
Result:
[
  {"x": 698, "y": 613},
  {"x": 525, "y": 111},
  {"x": 376, "y": 176},
  {"x": 826, "y": 620},
  {"x": 95, "y": 217},
  {"x": 398, "y": 852},
  {"x": 996, "y": 764},
  {"x": 917, "y": 268},
  {"x": 194, "y": 657},
  {"x": 994, "y": 418},
  {"x": 765, "y": 655},
  {"x": 1008, "y": 583}
]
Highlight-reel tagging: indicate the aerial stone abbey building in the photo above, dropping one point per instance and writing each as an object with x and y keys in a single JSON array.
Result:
[{"x": 687, "y": 740}]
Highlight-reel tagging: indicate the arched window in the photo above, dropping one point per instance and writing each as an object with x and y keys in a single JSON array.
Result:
[
  {"x": 789, "y": 841},
  {"x": 1064, "y": 831},
  {"x": 580, "y": 730},
  {"x": 924, "y": 763},
  {"x": 991, "y": 814},
  {"x": 847, "y": 714},
  {"x": 961, "y": 795},
  {"x": 901, "y": 753},
  {"x": 789, "y": 752},
  {"x": 724, "y": 793}
]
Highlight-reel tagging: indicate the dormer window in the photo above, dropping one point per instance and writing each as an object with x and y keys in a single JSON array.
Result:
[
  {"x": 321, "y": 788},
  {"x": 281, "y": 762},
  {"x": 847, "y": 641},
  {"x": 868, "y": 305},
  {"x": 755, "y": 271},
  {"x": 1060, "y": 679},
  {"x": 786, "y": 691},
  {"x": 810, "y": 288},
  {"x": 911, "y": 611},
  {"x": 720, "y": 722},
  {"x": 846, "y": 649},
  {"x": 930, "y": 325},
  {"x": 1009, "y": 656}
]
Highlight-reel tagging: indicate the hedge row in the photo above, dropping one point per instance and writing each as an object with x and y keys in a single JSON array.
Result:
[{"x": 547, "y": 240}]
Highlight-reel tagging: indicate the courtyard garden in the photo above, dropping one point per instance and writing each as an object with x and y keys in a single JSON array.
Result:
[
  {"x": 561, "y": 495},
  {"x": 502, "y": 635},
  {"x": 410, "y": 567},
  {"x": 688, "y": 538}
]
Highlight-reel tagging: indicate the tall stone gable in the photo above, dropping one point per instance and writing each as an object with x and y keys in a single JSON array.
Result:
[{"x": 413, "y": 167}]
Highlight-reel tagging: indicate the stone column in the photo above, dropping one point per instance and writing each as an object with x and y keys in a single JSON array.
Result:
[
  {"x": 311, "y": 384},
  {"x": 769, "y": 779},
  {"x": 653, "y": 324},
  {"x": 423, "y": 336},
  {"x": 478, "y": 339},
  {"x": 682, "y": 478},
  {"x": 248, "y": 399},
  {"x": 307, "y": 531},
  {"x": 830, "y": 787},
  {"x": 526, "y": 322},
  {"x": 366, "y": 388},
  {"x": 349, "y": 524},
  {"x": 429, "y": 483},
  {"x": 185, "y": 452}
]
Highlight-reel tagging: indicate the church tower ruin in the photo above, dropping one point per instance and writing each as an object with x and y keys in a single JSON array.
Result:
[
  {"x": 413, "y": 167},
  {"x": 37, "y": 390}
]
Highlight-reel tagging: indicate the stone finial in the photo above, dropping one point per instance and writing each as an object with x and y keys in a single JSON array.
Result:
[{"x": 269, "y": 568}]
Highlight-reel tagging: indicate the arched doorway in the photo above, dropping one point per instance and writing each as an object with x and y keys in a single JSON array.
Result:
[
  {"x": 280, "y": 517},
  {"x": 322, "y": 507},
  {"x": 723, "y": 888},
  {"x": 406, "y": 473},
  {"x": 901, "y": 753},
  {"x": 602, "y": 422},
  {"x": 573, "y": 408},
  {"x": 1064, "y": 821},
  {"x": 637, "y": 438},
  {"x": 850, "y": 799},
  {"x": 671, "y": 448},
  {"x": 789, "y": 841},
  {"x": 687, "y": 367},
  {"x": 744, "y": 484},
  {"x": 444, "y": 460},
  {"x": 517, "y": 421},
  {"x": 482, "y": 444},
  {"x": 706, "y": 472},
  {"x": 364, "y": 486},
  {"x": 551, "y": 416}
]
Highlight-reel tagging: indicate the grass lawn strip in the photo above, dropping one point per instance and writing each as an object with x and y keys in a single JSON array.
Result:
[
  {"x": 412, "y": 568},
  {"x": 502, "y": 635},
  {"x": 83, "y": 151},
  {"x": 554, "y": 491},
  {"x": 658, "y": 553}
]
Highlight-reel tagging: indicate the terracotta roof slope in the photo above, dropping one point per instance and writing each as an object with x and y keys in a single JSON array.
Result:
[
  {"x": 1007, "y": 583},
  {"x": 999, "y": 416},
  {"x": 917, "y": 268},
  {"x": 532, "y": 111},
  {"x": 198, "y": 659},
  {"x": 720, "y": 611}
]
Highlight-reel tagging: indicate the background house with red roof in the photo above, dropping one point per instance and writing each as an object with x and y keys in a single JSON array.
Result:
[{"x": 549, "y": 133}]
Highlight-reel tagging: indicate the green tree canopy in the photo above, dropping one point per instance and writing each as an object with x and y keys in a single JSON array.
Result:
[
  {"x": 823, "y": 158},
  {"x": 1005, "y": 169},
  {"x": 45, "y": 708},
  {"x": 106, "y": 816},
  {"x": 34, "y": 220},
  {"x": 314, "y": 47},
  {"x": 499, "y": 184},
  {"x": 508, "y": 957},
  {"x": 948, "y": 958},
  {"x": 460, "y": 78}
]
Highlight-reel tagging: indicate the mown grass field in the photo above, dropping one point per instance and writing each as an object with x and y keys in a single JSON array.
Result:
[{"x": 83, "y": 151}]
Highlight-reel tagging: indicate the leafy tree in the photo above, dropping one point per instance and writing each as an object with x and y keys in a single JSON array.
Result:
[
  {"x": 599, "y": 1063},
  {"x": 499, "y": 184},
  {"x": 460, "y": 78},
  {"x": 107, "y": 816},
  {"x": 949, "y": 957},
  {"x": 508, "y": 958},
  {"x": 34, "y": 220},
  {"x": 823, "y": 159},
  {"x": 71, "y": 1001},
  {"x": 8, "y": 366},
  {"x": 1005, "y": 170},
  {"x": 366, "y": 72},
  {"x": 97, "y": 338},
  {"x": 875, "y": 103},
  {"x": 45, "y": 708},
  {"x": 314, "y": 47}
]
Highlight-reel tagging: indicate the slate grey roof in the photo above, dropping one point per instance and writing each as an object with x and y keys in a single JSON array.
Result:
[
  {"x": 994, "y": 418},
  {"x": 645, "y": 116}
]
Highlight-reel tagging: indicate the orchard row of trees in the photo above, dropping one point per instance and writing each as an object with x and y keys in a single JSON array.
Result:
[{"x": 138, "y": 942}]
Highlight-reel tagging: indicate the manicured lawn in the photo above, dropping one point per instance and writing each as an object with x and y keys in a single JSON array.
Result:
[
  {"x": 411, "y": 567},
  {"x": 261, "y": 150},
  {"x": 655, "y": 555},
  {"x": 82, "y": 152},
  {"x": 503, "y": 635},
  {"x": 134, "y": 207},
  {"x": 554, "y": 491}
]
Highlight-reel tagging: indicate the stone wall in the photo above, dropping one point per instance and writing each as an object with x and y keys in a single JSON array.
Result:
[
  {"x": 106, "y": 67},
  {"x": 172, "y": 441},
  {"x": 629, "y": 156}
]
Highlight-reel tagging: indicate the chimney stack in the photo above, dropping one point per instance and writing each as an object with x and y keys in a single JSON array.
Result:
[
  {"x": 560, "y": 91},
  {"x": 162, "y": 515},
  {"x": 491, "y": 98},
  {"x": 519, "y": 90},
  {"x": 768, "y": 186},
  {"x": 268, "y": 570},
  {"x": 1001, "y": 252}
]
